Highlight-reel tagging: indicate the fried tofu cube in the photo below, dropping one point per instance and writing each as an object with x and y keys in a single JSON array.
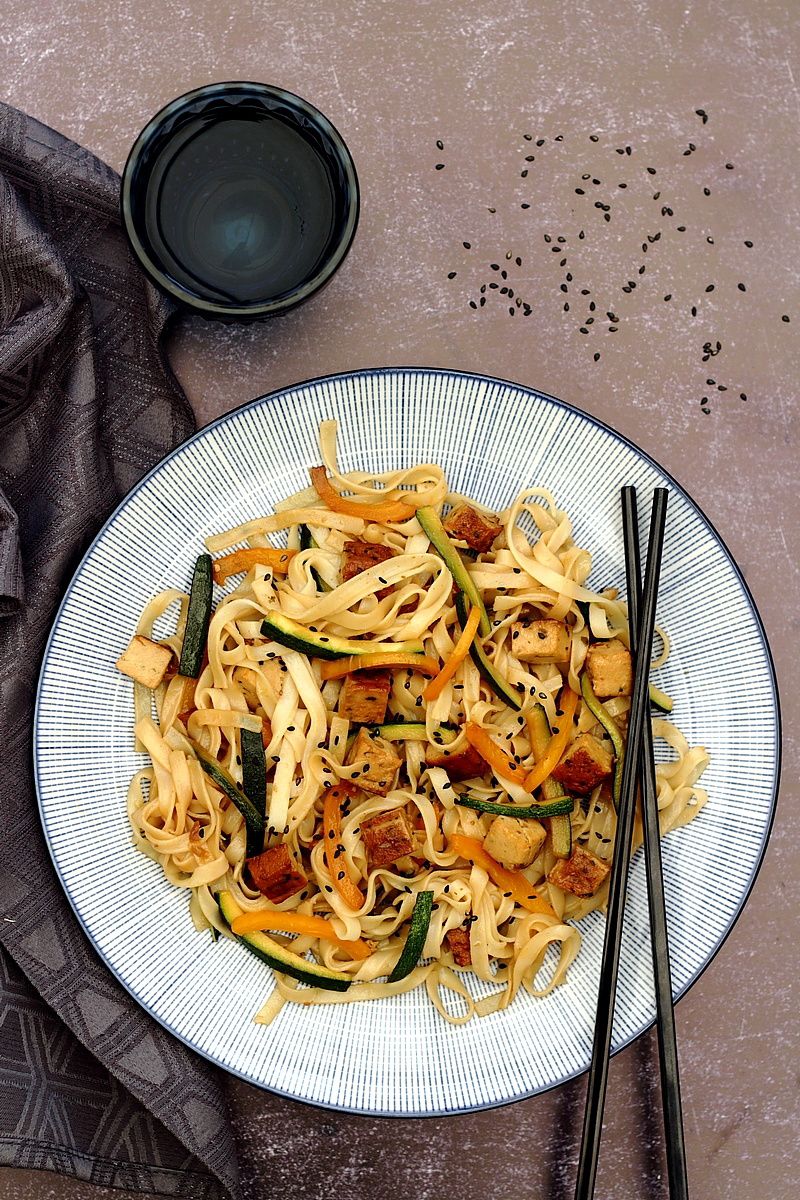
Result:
[
  {"x": 358, "y": 556},
  {"x": 610, "y": 669},
  {"x": 460, "y": 764},
  {"x": 276, "y": 873},
  {"x": 458, "y": 941},
  {"x": 387, "y": 837},
  {"x": 581, "y": 873},
  {"x": 514, "y": 841},
  {"x": 145, "y": 661},
  {"x": 475, "y": 528},
  {"x": 364, "y": 696},
  {"x": 377, "y": 761},
  {"x": 586, "y": 762},
  {"x": 543, "y": 640}
]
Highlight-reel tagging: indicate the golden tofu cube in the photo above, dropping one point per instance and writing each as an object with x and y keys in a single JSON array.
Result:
[
  {"x": 364, "y": 696},
  {"x": 610, "y": 669},
  {"x": 587, "y": 762},
  {"x": 514, "y": 841},
  {"x": 475, "y": 528},
  {"x": 376, "y": 760},
  {"x": 145, "y": 661},
  {"x": 460, "y": 764},
  {"x": 543, "y": 640},
  {"x": 387, "y": 837},
  {"x": 276, "y": 873},
  {"x": 458, "y": 942},
  {"x": 581, "y": 873}
]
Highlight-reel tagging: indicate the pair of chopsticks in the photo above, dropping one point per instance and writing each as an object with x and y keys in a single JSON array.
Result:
[{"x": 638, "y": 770}]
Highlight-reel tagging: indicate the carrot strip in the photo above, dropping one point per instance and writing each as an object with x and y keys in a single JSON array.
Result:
[
  {"x": 332, "y": 832},
  {"x": 501, "y": 763},
  {"x": 568, "y": 703},
  {"x": 294, "y": 922},
  {"x": 243, "y": 560},
  {"x": 434, "y": 689},
  {"x": 338, "y": 667},
  {"x": 382, "y": 511},
  {"x": 508, "y": 881}
]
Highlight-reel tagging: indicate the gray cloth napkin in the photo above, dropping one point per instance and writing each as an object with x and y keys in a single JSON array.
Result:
[{"x": 89, "y": 1084}]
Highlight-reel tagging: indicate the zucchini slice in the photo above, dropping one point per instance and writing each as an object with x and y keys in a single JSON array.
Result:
[
  {"x": 661, "y": 700},
  {"x": 254, "y": 770},
  {"x": 437, "y": 535},
  {"x": 198, "y": 616},
  {"x": 554, "y": 808},
  {"x": 501, "y": 687},
  {"x": 417, "y": 932},
  {"x": 551, "y": 789},
  {"x": 406, "y": 731},
  {"x": 281, "y": 959},
  {"x": 291, "y": 633},
  {"x": 253, "y": 819},
  {"x": 609, "y": 724},
  {"x": 307, "y": 543},
  {"x": 561, "y": 836}
]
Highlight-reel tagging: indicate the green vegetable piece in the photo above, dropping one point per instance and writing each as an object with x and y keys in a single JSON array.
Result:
[
  {"x": 281, "y": 959},
  {"x": 299, "y": 637},
  {"x": 660, "y": 699},
  {"x": 609, "y": 724},
  {"x": 254, "y": 770},
  {"x": 564, "y": 804},
  {"x": 433, "y": 527},
  {"x": 221, "y": 778},
  {"x": 493, "y": 679},
  {"x": 417, "y": 933},
  {"x": 198, "y": 617}
]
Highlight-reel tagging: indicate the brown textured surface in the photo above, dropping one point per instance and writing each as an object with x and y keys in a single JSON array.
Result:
[{"x": 394, "y": 78}]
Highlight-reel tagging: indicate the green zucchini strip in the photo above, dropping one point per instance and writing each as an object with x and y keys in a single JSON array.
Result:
[
  {"x": 555, "y": 808},
  {"x": 418, "y": 931},
  {"x": 488, "y": 672},
  {"x": 437, "y": 534},
  {"x": 198, "y": 616},
  {"x": 609, "y": 724}
]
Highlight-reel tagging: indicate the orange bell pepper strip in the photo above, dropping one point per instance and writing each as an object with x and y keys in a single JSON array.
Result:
[
  {"x": 332, "y": 833},
  {"x": 294, "y": 922},
  {"x": 242, "y": 560},
  {"x": 338, "y": 667},
  {"x": 508, "y": 881},
  {"x": 501, "y": 763},
  {"x": 568, "y": 703},
  {"x": 434, "y": 689},
  {"x": 379, "y": 510}
]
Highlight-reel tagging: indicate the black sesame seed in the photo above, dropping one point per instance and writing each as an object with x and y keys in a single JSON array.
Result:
[
  {"x": 710, "y": 241},
  {"x": 467, "y": 245},
  {"x": 681, "y": 228},
  {"x": 749, "y": 245},
  {"x": 440, "y": 166},
  {"x": 440, "y": 145},
  {"x": 596, "y": 357},
  {"x": 710, "y": 287},
  {"x": 694, "y": 311},
  {"x": 728, "y": 166},
  {"x": 606, "y": 216},
  {"x": 741, "y": 287},
  {"x": 530, "y": 158},
  {"x": 524, "y": 205},
  {"x": 651, "y": 170},
  {"x": 785, "y": 318},
  {"x": 668, "y": 296},
  {"x": 527, "y": 136},
  {"x": 583, "y": 329},
  {"x": 580, "y": 192},
  {"x": 742, "y": 395},
  {"x": 706, "y": 191},
  {"x": 472, "y": 304},
  {"x": 524, "y": 174},
  {"x": 451, "y": 274}
]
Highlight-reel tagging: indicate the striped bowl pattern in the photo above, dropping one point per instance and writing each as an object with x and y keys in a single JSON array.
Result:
[{"x": 398, "y": 1057}]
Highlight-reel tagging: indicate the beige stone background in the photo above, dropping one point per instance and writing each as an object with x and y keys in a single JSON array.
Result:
[{"x": 395, "y": 77}]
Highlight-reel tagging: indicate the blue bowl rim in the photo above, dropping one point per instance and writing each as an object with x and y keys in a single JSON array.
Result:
[{"x": 257, "y": 309}]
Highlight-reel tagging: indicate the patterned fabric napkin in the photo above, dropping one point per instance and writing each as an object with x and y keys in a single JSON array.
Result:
[{"x": 89, "y": 1084}]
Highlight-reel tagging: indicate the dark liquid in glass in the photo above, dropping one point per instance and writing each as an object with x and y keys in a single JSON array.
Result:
[{"x": 240, "y": 208}]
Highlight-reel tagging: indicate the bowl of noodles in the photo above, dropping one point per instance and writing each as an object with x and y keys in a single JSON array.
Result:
[{"x": 353, "y": 722}]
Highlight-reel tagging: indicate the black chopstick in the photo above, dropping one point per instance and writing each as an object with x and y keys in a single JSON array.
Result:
[
  {"x": 665, "y": 1015},
  {"x": 609, "y": 966}
]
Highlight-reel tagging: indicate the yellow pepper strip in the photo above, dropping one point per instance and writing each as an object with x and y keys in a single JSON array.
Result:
[
  {"x": 501, "y": 763},
  {"x": 434, "y": 689},
  {"x": 294, "y": 922},
  {"x": 381, "y": 510},
  {"x": 568, "y": 703},
  {"x": 332, "y": 833},
  {"x": 243, "y": 560},
  {"x": 376, "y": 662},
  {"x": 508, "y": 881}
]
